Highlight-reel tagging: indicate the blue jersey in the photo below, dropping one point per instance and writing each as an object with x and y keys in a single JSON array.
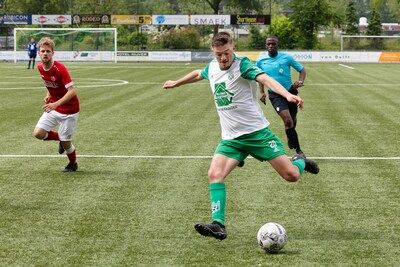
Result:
[
  {"x": 278, "y": 67},
  {"x": 32, "y": 48}
]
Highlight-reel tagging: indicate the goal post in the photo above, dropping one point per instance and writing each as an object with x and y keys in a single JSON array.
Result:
[
  {"x": 72, "y": 44},
  {"x": 369, "y": 42}
]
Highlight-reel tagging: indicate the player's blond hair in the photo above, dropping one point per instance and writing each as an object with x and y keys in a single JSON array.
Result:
[{"x": 47, "y": 41}]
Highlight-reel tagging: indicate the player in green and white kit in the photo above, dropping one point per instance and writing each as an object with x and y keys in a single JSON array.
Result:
[{"x": 233, "y": 81}]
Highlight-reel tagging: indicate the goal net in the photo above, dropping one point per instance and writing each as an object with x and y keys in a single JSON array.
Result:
[
  {"x": 369, "y": 43},
  {"x": 71, "y": 44}
]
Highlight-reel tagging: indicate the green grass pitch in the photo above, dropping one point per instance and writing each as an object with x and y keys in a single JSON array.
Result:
[{"x": 142, "y": 181}]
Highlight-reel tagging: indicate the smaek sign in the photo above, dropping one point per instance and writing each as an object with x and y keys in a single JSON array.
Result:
[{"x": 210, "y": 19}]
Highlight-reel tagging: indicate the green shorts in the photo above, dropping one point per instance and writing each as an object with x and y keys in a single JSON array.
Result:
[{"x": 262, "y": 145}]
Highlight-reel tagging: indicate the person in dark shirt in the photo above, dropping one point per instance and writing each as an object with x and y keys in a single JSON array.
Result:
[{"x": 32, "y": 53}]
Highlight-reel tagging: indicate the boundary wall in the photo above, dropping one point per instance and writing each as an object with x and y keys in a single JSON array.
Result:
[{"x": 187, "y": 56}]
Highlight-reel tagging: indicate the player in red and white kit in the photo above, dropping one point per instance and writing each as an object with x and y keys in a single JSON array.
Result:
[{"x": 61, "y": 104}]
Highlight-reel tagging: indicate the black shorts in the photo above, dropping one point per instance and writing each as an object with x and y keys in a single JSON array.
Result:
[
  {"x": 32, "y": 55},
  {"x": 280, "y": 103}
]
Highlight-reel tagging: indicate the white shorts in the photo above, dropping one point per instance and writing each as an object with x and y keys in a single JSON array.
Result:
[{"x": 67, "y": 123}]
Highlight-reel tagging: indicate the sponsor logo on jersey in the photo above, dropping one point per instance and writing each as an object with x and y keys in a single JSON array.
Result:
[
  {"x": 50, "y": 84},
  {"x": 222, "y": 96}
]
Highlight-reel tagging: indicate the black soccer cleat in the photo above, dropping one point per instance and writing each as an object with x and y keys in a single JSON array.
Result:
[
  {"x": 71, "y": 167},
  {"x": 214, "y": 229},
  {"x": 60, "y": 148},
  {"x": 241, "y": 164},
  {"x": 311, "y": 166},
  {"x": 301, "y": 153}
]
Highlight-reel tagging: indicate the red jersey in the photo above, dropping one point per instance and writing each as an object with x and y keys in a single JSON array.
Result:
[{"x": 57, "y": 80}]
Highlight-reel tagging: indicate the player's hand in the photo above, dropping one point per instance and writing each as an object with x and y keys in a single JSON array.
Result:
[
  {"x": 169, "y": 84},
  {"x": 46, "y": 100},
  {"x": 49, "y": 107},
  {"x": 296, "y": 99},
  {"x": 298, "y": 84},
  {"x": 263, "y": 97}
]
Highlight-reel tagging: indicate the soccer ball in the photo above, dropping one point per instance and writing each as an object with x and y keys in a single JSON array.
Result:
[{"x": 272, "y": 237}]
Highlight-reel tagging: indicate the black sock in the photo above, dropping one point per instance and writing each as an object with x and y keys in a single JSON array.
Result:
[
  {"x": 33, "y": 64},
  {"x": 29, "y": 64},
  {"x": 293, "y": 139}
]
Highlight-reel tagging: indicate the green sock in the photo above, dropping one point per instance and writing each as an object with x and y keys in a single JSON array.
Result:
[
  {"x": 218, "y": 200},
  {"x": 299, "y": 163}
]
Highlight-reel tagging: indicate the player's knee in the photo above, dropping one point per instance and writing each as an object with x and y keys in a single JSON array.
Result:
[
  {"x": 215, "y": 176},
  {"x": 66, "y": 144},
  {"x": 38, "y": 133},
  {"x": 288, "y": 121},
  {"x": 291, "y": 176}
]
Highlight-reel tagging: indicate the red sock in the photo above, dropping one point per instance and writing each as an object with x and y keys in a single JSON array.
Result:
[
  {"x": 51, "y": 135},
  {"x": 72, "y": 157}
]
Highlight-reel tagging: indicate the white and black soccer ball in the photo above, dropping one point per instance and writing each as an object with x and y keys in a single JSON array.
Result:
[{"x": 272, "y": 237}]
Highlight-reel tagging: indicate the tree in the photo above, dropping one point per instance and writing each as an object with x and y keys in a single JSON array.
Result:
[
  {"x": 181, "y": 38},
  {"x": 351, "y": 27},
  {"x": 394, "y": 6},
  {"x": 375, "y": 28},
  {"x": 283, "y": 28},
  {"x": 308, "y": 16},
  {"x": 139, "y": 40},
  {"x": 257, "y": 41}
]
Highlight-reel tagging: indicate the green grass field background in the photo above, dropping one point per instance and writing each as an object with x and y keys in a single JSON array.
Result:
[{"x": 142, "y": 181}]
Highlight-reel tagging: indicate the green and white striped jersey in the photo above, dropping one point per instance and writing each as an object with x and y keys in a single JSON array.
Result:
[{"x": 235, "y": 95}]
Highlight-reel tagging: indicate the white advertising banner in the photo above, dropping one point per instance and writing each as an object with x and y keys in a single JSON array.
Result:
[
  {"x": 170, "y": 56},
  {"x": 51, "y": 19},
  {"x": 187, "y": 56},
  {"x": 210, "y": 19},
  {"x": 335, "y": 56},
  {"x": 9, "y": 55},
  {"x": 133, "y": 56},
  {"x": 170, "y": 19}
]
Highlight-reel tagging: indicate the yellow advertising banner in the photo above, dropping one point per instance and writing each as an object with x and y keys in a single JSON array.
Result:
[
  {"x": 389, "y": 57},
  {"x": 252, "y": 55},
  {"x": 131, "y": 19}
]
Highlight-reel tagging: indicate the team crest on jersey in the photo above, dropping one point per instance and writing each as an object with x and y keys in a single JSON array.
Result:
[
  {"x": 53, "y": 78},
  {"x": 222, "y": 96}
]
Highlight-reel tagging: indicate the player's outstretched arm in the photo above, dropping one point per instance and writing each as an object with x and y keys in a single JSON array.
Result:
[
  {"x": 279, "y": 89},
  {"x": 192, "y": 77}
]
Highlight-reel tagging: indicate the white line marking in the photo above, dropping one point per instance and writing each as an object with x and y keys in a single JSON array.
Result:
[
  {"x": 350, "y": 84},
  {"x": 122, "y": 82},
  {"x": 179, "y": 157},
  {"x": 342, "y": 65},
  {"x": 114, "y": 83}
]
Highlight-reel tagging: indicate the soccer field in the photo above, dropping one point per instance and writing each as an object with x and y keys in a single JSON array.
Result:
[{"x": 142, "y": 182}]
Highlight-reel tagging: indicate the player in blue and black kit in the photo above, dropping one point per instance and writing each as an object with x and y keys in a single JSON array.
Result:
[
  {"x": 32, "y": 53},
  {"x": 277, "y": 65}
]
